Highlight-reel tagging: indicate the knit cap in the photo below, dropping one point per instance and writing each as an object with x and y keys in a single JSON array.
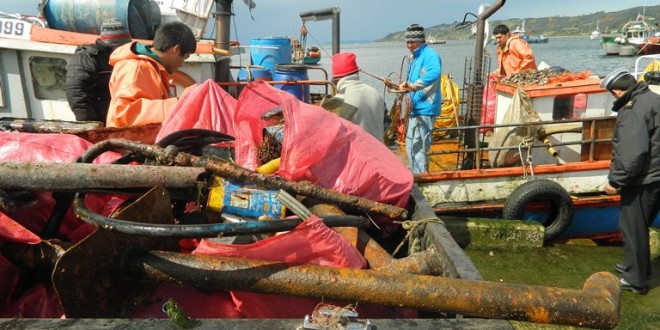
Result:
[
  {"x": 113, "y": 33},
  {"x": 415, "y": 33},
  {"x": 344, "y": 64}
]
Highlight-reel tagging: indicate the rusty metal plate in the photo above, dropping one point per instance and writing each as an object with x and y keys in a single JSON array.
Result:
[{"x": 87, "y": 278}]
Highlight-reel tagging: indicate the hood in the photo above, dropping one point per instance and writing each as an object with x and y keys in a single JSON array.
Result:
[{"x": 128, "y": 52}]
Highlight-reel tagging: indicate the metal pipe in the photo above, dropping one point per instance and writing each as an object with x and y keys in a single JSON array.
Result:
[
  {"x": 242, "y": 175},
  {"x": 222, "y": 36},
  {"x": 479, "y": 39},
  {"x": 596, "y": 305},
  {"x": 325, "y": 14},
  {"x": 475, "y": 90},
  {"x": 77, "y": 176},
  {"x": 426, "y": 262}
]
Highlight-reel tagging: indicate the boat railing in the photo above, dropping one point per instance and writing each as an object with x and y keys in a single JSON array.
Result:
[
  {"x": 642, "y": 60},
  {"x": 589, "y": 125}
]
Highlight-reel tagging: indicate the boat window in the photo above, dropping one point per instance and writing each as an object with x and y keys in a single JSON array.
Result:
[
  {"x": 48, "y": 77},
  {"x": 569, "y": 107}
]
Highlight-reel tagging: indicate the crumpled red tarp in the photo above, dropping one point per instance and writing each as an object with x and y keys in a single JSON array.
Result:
[
  {"x": 206, "y": 106},
  {"x": 21, "y": 225},
  {"x": 311, "y": 242},
  {"x": 322, "y": 148}
]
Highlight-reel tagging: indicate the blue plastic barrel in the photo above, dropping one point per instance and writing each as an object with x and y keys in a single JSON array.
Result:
[
  {"x": 137, "y": 16},
  {"x": 293, "y": 72},
  {"x": 270, "y": 51},
  {"x": 252, "y": 73}
]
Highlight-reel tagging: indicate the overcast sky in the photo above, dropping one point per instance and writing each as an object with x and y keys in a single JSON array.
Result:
[{"x": 367, "y": 20}]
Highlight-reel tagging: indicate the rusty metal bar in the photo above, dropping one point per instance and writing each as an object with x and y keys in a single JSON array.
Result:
[
  {"x": 596, "y": 305},
  {"x": 77, "y": 176},
  {"x": 242, "y": 175},
  {"x": 424, "y": 263}
]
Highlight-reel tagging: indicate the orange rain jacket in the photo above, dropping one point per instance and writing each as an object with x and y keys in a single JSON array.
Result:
[
  {"x": 516, "y": 56},
  {"x": 140, "y": 88}
]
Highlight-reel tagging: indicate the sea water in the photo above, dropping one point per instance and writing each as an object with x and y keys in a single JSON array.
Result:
[{"x": 390, "y": 59}]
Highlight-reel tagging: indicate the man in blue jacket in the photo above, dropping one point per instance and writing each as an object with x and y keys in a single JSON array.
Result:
[{"x": 423, "y": 84}]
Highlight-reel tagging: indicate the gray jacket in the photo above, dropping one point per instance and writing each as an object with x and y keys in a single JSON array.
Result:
[{"x": 370, "y": 104}]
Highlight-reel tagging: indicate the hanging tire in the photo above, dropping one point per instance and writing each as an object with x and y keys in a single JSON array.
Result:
[{"x": 561, "y": 205}]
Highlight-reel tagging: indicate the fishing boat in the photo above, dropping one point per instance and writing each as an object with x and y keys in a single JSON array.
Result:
[
  {"x": 313, "y": 56},
  {"x": 650, "y": 46},
  {"x": 553, "y": 174},
  {"x": 520, "y": 30},
  {"x": 435, "y": 41},
  {"x": 628, "y": 42},
  {"x": 595, "y": 34}
]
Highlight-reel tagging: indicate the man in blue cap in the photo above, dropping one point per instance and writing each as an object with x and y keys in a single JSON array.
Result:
[{"x": 634, "y": 172}]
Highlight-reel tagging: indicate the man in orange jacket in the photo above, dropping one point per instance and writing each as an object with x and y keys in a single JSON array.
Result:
[
  {"x": 513, "y": 53},
  {"x": 140, "y": 86}
]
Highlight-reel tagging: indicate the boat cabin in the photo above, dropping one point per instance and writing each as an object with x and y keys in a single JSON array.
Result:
[
  {"x": 33, "y": 67},
  {"x": 570, "y": 102}
]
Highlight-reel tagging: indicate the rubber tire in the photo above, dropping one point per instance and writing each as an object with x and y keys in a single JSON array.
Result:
[{"x": 561, "y": 212}]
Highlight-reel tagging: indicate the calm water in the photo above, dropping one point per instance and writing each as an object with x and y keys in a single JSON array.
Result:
[{"x": 385, "y": 59}]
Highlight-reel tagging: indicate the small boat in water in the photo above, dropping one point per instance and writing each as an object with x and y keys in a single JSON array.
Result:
[
  {"x": 435, "y": 41},
  {"x": 312, "y": 56},
  {"x": 520, "y": 30},
  {"x": 595, "y": 34}
]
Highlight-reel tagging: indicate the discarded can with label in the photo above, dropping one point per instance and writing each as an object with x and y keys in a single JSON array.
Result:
[{"x": 225, "y": 196}]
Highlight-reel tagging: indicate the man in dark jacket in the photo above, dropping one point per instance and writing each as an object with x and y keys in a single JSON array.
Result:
[
  {"x": 88, "y": 73},
  {"x": 635, "y": 172}
]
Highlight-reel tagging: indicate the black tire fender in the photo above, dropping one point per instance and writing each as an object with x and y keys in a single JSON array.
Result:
[{"x": 561, "y": 212}]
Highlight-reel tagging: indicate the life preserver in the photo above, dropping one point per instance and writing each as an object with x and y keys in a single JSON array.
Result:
[
  {"x": 561, "y": 209},
  {"x": 182, "y": 79}
]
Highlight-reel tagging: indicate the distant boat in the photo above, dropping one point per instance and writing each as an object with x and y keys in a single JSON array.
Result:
[
  {"x": 313, "y": 56},
  {"x": 520, "y": 29},
  {"x": 433, "y": 40},
  {"x": 596, "y": 33}
]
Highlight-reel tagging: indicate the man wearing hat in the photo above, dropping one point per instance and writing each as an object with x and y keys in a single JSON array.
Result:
[
  {"x": 634, "y": 172},
  {"x": 423, "y": 86},
  {"x": 368, "y": 102},
  {"x": 88, "y": 73}
]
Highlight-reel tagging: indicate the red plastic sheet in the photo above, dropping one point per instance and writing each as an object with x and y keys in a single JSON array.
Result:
[
  {"x": 21, "y": 225},
  {"x": 488, "y": 103},
  {"x": 206, "y": 106},
  {"x": 310, "y": 243},
  {"x": 321, "y": 147}
]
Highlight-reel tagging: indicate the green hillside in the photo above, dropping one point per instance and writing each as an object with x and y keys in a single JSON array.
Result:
[{"x": 581, "y": 25}]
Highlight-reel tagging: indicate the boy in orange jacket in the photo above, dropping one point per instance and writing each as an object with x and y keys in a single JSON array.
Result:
[{"x": 140, "y": 86}]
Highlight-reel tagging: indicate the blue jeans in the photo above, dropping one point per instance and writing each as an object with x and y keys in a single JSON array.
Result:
[{"x": 418, "y": 141}]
